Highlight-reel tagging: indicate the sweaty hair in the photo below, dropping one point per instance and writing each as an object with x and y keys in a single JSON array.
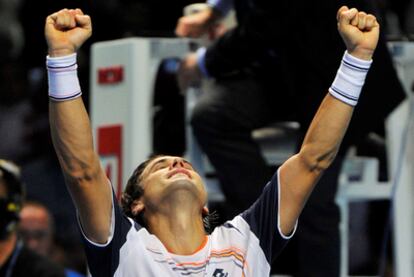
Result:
[{"x": 134, "y": 190}]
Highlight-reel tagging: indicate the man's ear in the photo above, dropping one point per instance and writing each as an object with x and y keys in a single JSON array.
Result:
[
  {"x": 137, "y": 207},
  {"x": 205, "y": 211}
]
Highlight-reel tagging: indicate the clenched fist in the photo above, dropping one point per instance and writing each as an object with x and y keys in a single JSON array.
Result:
[
  {"x": 66, "y": 30},
  {"x": 360, "y": 32}
]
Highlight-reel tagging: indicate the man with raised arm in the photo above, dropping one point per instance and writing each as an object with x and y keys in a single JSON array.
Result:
[
  {"x": 160, "y": 231},
  {"x": 274, "y": 67}
]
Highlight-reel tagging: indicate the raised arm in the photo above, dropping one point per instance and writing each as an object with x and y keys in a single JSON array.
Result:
[
  {"x": 65, "y": 32},
  {"x": 300, "y": 173}
]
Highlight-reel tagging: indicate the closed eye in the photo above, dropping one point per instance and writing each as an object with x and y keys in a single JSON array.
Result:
[
  {"x": 160, "y": 166},
  {"x": 163, "y": 163}
]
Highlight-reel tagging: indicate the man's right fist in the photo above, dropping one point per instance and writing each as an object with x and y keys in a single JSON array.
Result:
[
  {"x": 66, "y": 30},
  {"x": 360, "y": 32}
]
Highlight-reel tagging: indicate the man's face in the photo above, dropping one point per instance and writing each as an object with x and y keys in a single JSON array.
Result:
[
  {"x": 35, "y": 228},
  {"x": 166, "y": 175}
]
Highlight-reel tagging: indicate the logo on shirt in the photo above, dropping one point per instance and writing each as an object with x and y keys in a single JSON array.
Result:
[{"x": 220, "y": 273}]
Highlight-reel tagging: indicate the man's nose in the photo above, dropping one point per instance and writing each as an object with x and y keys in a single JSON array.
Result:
[{"x": 177, "y": 162}]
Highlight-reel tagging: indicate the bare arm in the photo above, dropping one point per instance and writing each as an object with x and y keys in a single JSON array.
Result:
[
  {"x": 300, "y": 173},
  {"x": 65, "y": 32}
]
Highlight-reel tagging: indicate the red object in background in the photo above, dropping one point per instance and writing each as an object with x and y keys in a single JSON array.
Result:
[
  {"x": 110, "y": 75},
  {"x": 110, "y": 144}
]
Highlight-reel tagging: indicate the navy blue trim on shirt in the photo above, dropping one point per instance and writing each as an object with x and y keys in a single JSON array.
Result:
[
  {"x": 231, "y": 226},
  {"x": 104, "y": 260},
  {"x": 262, "y": 218}
]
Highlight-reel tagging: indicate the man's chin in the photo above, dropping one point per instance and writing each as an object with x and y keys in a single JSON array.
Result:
[
  {"x": 183, "y": 185},
  {"x": 184, "y": 189},
  {"x": 183, "y": 182}
]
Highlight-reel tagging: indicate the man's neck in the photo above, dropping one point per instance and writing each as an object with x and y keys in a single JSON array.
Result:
[
  {"x": 180, "y": 229},
  {"x": 6, "y": 248}
]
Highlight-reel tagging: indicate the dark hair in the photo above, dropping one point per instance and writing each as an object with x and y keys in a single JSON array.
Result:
[
  {"x": 134, "y": 190},
  {"x": 40, "y": 205}
]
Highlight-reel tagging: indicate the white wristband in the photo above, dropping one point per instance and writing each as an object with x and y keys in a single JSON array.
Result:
[
  {"x": 63, "y": 77},
  {"x": 350, "y": 79}
]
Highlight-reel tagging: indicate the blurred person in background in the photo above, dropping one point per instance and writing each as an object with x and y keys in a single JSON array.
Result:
[
  {"x": 15, "y": 258},
  {"x": 14, "y": 104},
  {"x": 11, "y": 33},
  {"x": 398, "y": 18},
  {"x": 36, "y": 228}
]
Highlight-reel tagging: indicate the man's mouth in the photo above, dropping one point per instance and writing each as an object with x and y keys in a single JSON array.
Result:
[{"x": 177, "y": 171}]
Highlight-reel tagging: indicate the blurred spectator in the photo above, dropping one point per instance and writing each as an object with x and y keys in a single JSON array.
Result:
[
  {"x": 397, "y": 17},
  {"x": 15, "y": 258},
  {"x": 155, "y": 18},
  {"x": 37, "y": 231},
  {"x": 13, "y": 107},
  {"x": 14, "y": 110},
  {"x": 36, "y": 228},
  {"x": 402, "y": 11},
  {"x": 10, "y": 30}
]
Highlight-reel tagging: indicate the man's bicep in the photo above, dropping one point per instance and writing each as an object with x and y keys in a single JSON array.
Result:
[
  {"x": 297, "y": 181},
  {"x": 92, "y": 198}
]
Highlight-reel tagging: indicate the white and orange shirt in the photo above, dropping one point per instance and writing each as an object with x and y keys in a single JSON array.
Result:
[{"x": 244, "y": 246}]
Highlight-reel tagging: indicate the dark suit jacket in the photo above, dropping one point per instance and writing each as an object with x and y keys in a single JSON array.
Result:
[{"x": 301, "y": 39}]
